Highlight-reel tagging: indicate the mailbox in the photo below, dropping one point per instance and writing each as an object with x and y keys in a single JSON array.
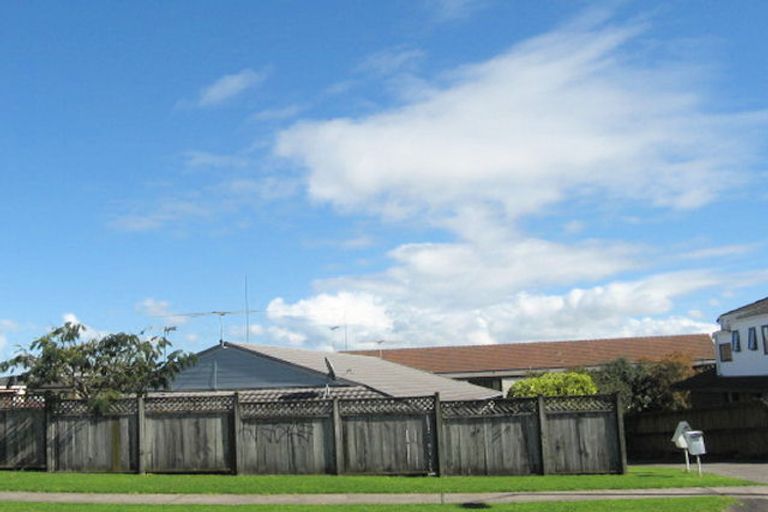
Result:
[{"x": 695, "y": 441}]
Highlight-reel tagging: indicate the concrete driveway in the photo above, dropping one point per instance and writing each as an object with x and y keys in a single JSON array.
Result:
[{"x": 757, "y": 472}]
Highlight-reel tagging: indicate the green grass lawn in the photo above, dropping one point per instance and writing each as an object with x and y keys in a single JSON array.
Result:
[
  {"x": 637, "y": 478},
  {"x": 704, "y": 504}
]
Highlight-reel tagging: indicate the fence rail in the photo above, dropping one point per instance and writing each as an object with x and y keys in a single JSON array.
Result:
[{"x": 229, "y": 434}]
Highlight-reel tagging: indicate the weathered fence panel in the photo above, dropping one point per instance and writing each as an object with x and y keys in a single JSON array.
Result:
[
  {"x": 731, "y": 431},
  {"x": 22, "y": 439},
  {"x": 491, "y": 438},
  {"x": 95, "y": 443},
  {"x": 388, "y": 436},
  {"x": 284, "y": 439},
  {"x": 188, "y": 434},
  {"x": 582, "y": 435},
  {"x": 220, "y": 433}
]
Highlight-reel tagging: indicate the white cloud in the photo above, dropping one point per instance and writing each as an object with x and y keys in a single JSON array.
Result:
[
  {"x": 160, "y": 309},
  {"x": 391, "y": 61},
  {"x": 619, "y": 308},
  {"x": 229, "y": 86},
  {"x": 276, "y": 114},
  {"x": 567, "y": 113},
  {"x": 454, "y": 10},
  {"x": 214, "y": 160},
  {"x": 719, "y": 252}
]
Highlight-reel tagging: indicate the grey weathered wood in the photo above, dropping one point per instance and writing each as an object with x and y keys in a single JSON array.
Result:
[
  {"x": 141, "y": 436},
  {"x": 288, "y": 445},
  {"x": 95, "y": 443},
  {"x": 196, "y": 442},
  {"x": 50, "y": 440},
  {"x": 544, "y": 450},
  {"x": 497, "y": 438},
  {"x": 439, "y": 444},
  {"x": 237, "y": 428},
  {"x": 386, "y": 444},
  {"x": 338, "y": 438},
  {"x": 621, "y": 439}
]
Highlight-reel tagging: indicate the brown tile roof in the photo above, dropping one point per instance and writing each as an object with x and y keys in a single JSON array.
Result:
[{"x": 548, "y": 355}]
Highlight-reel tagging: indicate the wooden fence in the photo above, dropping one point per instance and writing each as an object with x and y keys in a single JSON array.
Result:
[
  {"x": 732, "y": 431},
  {"x": 231, "y": 434}
]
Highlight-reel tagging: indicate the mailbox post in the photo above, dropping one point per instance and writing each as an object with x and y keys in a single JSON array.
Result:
[
  {"x": 679, "y": 439},
  {"x": 695, "y": 441}
]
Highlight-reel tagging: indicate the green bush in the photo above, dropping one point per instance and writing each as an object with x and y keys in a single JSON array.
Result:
[{"x": 554, "y": 384}]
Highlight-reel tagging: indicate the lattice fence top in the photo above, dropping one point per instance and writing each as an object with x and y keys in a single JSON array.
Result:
[
  {"x": 121, "y": 407},
  {"x": 418, "y": 405},
  {"x": 572, "y": 404},
  {"x": 492, "y": 407},
  {"x": 189, "y": 404},
  {"x": 14, "y": 401},
  {"x": 287, "y": 409}
]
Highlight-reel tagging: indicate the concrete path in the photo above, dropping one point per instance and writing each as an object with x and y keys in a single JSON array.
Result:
[{"x": 742, "y": 493}]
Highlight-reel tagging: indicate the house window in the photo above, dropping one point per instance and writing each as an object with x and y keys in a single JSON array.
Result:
[
  {"x": 725, "y": 353},
  {"x": 752, "y": 338},
  {"x": 765, "y": 339},
  {"x": 736, "y": 341}
]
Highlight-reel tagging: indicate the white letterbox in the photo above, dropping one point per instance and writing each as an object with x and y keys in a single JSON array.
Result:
[
  {"x": 695, "y": 441},
  {"x": 679, "y": 436}
]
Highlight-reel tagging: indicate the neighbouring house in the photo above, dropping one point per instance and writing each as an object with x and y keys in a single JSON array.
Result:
[
  {"x": 741, "y": 349},
  {"x": 10, "y": 386},
  {"x": 280, "y": 373},
  {"x": 499, "y": 366}
]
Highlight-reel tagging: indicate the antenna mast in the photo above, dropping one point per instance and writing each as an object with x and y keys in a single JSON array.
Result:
[{"x": 247, "y": 313}]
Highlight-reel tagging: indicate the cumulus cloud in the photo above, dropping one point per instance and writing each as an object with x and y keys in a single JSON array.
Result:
[
  {"x": 229, "y": 86},
  {"x": 569, "y": 115},
  {"x": 618, "y": 308}
]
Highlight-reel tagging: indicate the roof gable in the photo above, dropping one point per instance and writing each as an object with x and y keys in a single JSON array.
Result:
[
  {"x": 229, "y": 367},
  {"x": 383, "y": 376}
]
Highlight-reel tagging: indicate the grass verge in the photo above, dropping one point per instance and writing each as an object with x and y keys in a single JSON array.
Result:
[
  {"x": 703, "y": 504},
  {"x": 637, "y": 478}
]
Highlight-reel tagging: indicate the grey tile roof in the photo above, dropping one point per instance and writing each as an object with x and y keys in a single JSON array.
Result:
[
  {"x": 385, "y": 377},
  {"x": 759, "y": 307},
  {"x": 277, "y": 394}
]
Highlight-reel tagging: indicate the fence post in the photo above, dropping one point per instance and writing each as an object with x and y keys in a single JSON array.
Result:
[
  {"x": 50, "y": 437},
  {"x": 237, "y": 429},
  {"x": 543, "y": 435},
  {"x": 141, "y": 465},
  {"x": 620, "y": 436},
  {"x": 338, "y": 438},
  {"x": 438, "y": 436}
]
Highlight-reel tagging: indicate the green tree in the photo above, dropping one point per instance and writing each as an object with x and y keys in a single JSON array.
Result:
[
  {"x": 554, "y": 384},
  {"x": 98, "y": 370},
  {"x": 645, "y": 386}
]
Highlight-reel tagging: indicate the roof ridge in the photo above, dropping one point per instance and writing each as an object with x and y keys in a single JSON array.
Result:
[{"x": 528, "y": 342}]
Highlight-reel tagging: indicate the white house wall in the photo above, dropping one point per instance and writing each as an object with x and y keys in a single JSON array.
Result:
[{"x": 747, "y": 362}]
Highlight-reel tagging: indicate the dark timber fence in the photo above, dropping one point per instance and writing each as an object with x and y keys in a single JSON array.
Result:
[
  {"x": 232, "y": 434},
  {"x": 731, "y": 431}
]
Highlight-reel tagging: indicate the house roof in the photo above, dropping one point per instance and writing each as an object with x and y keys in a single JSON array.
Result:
[
  {"x": 548, "y": 355},
  {"x": 276, "y": 394},
  {"x": 385, "y": 377},
  {"x": 759, "y": 307}
]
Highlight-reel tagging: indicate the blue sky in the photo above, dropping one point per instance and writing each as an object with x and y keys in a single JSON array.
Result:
[{"x": 423, "y": 172}]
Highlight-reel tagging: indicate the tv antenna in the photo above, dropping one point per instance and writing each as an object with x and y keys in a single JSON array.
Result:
[{"x": 220, "y": 314}]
